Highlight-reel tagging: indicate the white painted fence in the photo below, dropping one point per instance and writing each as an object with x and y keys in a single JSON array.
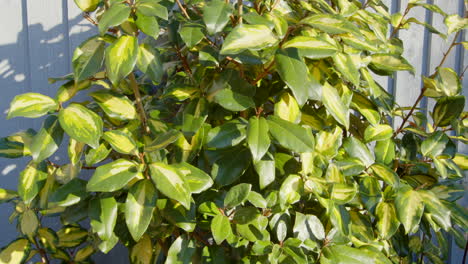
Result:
[{"x": 37, "y": 39}]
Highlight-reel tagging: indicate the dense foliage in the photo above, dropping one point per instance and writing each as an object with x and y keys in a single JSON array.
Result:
[{"x": 241, "y": 131}]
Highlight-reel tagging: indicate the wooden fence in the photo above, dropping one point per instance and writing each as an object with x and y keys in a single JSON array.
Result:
[{"x": 37, "y": 39}]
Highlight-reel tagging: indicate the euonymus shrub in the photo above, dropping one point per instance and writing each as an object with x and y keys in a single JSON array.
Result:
[{"x": 242, "y": 132}]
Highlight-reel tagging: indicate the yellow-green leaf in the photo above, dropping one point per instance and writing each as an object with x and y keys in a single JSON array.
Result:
[
  {"x": 139, "y": 207},
  {"x": 31, "y": 105},
  {"x": 121, "y": 58},
  {"x": 16, "y": 252},
  {"x": 114, "y": 105},
  {"x": 378, "y": 133},
  {"x": 170, "y": 182},
  {"x": 113, "y": 176},
  {"x": 81, "y": 124},
  {"x": 87, "y": 5},
  {"x": 251, "y": 37},
  {"x": 121, "y": 142},
  {"x": 335, "y": 105}
]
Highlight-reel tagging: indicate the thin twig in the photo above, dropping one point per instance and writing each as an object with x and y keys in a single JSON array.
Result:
[
  {"x": 421, "y": 95},
  {"x": 41, "y": 251},
  {"x": 182, "y": 8},
  {"x": 141, "y": 109},
  {"x": 90, "y": 19},
  {"x": 265, "y": 72},
  {"x": 184, "y": 61},
  {"x": 463, "y": 73},
  {"x": 239, "y": 10},
  {"x": 400, "y": 24}
]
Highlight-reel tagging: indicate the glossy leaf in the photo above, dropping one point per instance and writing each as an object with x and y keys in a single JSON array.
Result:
[
  {"x": 221, "y": 228},
  {"x": 447, "y": 109},
  {"x": 355, "y": 148},
  {"x": 251, "y": 37},
  {"x": 216, "y": 16},
  {"x": 88, "y": 58},
  {"x": 197, "y": 179},
  {"x": 87, "y": 5},
  {"x": 149, "y": 62},
  {"x": 31, "y": 105},
  {"x": 227, "y": 135},
  {"x": 114, "y": 16},
  {"x": 291, "y": 136},
  {"x": 139, "y": 207},
  {"x": 15, "y": 252},
  {"x": 121, "y": 142},
  {"x": 113, "y": 176},
  {"x": 333, "y": 24},
  {"x": 171, "y": 183},
  {"x": 103, "y": 214},
  {"x": 121, "y": 58},
  {"x": 257, "y": 137},
  {"x": 81, "y": 124},
  {"x": 313, "y": 47},
  {"x": 378, "y": 133},
  {"x": 31, "y": 181},
  {"x": 335, "y": 105},
  {"x": 47, "y": 141},
  {"x": 237, "y": 195},
  {"x": 409, "y": 207},
  {"x": 115, "y": 106}
]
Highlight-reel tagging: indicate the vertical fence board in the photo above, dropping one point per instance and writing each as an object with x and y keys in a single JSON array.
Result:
[
  {"x": 13, "y": 81},
  {"x": 407, "y": 85}
]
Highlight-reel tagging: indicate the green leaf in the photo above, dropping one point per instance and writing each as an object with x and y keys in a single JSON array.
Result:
[
  {"x": 147, "y": 24},
  {"x": 237, "y": 195},
  {"x": 409, "y": 207},
  {"x": 31, "y": 181},
  {"x": 248, "y": 37},
  {"x": 197, "y": 179},
  {"x": 335, "y": 105},
  {"x": 347, "y": 255},
  {"x": 7, "y": 195},
  {"x": 356, "y": 149},
  {"x": 149, "y": 62},
  {"x": 47, "y": 140},
  {"x": 378, "y": 133},
  {"x": 152, "y": 8},
  {"x": 81, "y": 124},
  {"x": 71, "y": 236},
  {"x": 16, "y": 252},
  {"x": 328, "y": 142},
  {"x": 387, "y": 222},
  {"x": 230, "y": 165},
  {"x": 31, "y": 105},
  {"x": 163, "y": 140},
  {"x": 347, "y": 67},
  {"x": 386, "y": 174},
  {"x": 191, "y": 34},
  {"x": 448, "y": 81},
  {"x": 447, "y": 109},
  {"x": 455, "y": 23},
  {"x": 142, "y": 252},
  {"x": 121, "y": 58},
  {"x": 88, "y": 58},
  {"x": 114, "y": 105},
  {"x": 342, "y": 193},
  {"x": 265, "y": 169},
  {"x": 288, "y": 109},
  {"x": 87, "y": 5},
  {"x": 121, "y": 142},
  {"x": 216, "y": 16},
  {"x": 233, "y": 100},
  {"x": 386, "y": 64},
  {"x": 139, "y": 207},
  {"x": 438, "y": 211},
  {"x": 308, "y": 226},
  {"x": 11, "y": 149},
  {"x": 385, "y": 151},
  {"x": 29, "y": 223},
  {"x": 291, "y": 190},
  {"x": 220, "y": 228},
  {"x": 332, "y": 24},
  {"x": 227, "y": 135},
  {"x": 366, "y": 108},
  {"x": 114, "y": 16},
  {"x": 69, "y": 194},
  {"x": 313, "y": 47},
  {"x": 181, "y": 251},
  {"x": 293, "y": 71},
  {"x": 257, "y": 137},
  {"x": 291, "y": 136},
  {"x": 113, "y": 176},
  {"x": 171, "y": 183},
  {"x": 103, "y": 215},
  {"x": 435, "y": 144},
  {"x": 97, "y": 155}
]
